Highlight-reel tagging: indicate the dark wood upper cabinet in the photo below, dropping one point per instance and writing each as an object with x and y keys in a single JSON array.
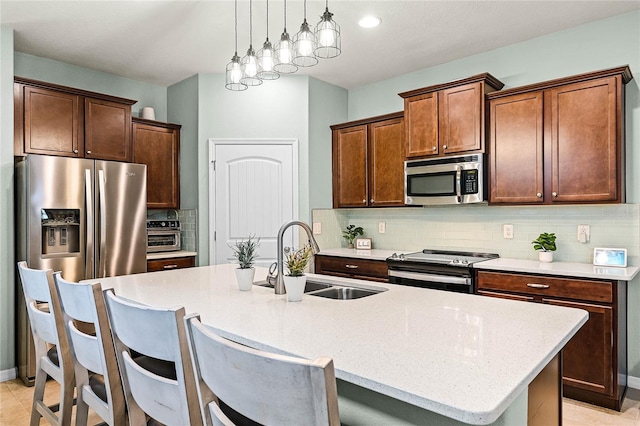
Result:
[
  {"x": 447, "y": 119},
  {"x": 57, "y": 120},
  {"x": 560, "y": 141},
  {"x": 158, "y": 146},
  {"x": 368, "y": 162}
]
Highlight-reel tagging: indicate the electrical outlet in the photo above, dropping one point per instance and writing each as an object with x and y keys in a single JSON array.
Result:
[
  {"x": 382, "y": 227},
  {"x": 507, "y": 231},
  {"x": 584, "y": 233},
  {"x": 317, "y": 228}
]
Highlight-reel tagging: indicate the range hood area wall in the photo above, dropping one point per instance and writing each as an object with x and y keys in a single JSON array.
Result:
[{"x": 479, "y": 228}]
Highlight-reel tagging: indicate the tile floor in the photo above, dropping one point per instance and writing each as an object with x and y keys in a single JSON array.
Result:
[{"x": 15, "y": 408}]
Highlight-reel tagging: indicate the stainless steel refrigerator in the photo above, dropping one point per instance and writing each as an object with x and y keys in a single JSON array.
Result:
[{"x": 85, "y": 218}]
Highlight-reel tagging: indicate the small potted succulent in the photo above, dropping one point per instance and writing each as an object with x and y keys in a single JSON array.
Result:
[
  {"x": 351, "y": 233},
  {"x": 295, "y": 280},
  {"x": 546, "y": 243},
  {"x": 245, "y": 253}
]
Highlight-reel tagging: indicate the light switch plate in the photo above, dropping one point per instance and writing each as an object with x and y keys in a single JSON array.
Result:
[
  {"x": 507, "y": 231},
  {"x": 382, "y": 227},
  {"x": 317, "y": 228}
]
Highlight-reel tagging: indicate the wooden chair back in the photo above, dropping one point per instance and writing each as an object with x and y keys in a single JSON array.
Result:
[
  {"x": 53, "y": 354},
  {"x": 91, "y": 352},
  {"x": 158, "y": 333},
  {"x": 264, "y": 387}
]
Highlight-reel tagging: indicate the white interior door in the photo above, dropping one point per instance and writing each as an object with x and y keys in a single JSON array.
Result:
[{"x": 253, "y": 187}]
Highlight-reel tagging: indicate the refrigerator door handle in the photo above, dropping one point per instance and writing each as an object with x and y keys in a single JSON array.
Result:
[
  {"x": 88, "y": 256},
  {"x": 103, "y": 225}
]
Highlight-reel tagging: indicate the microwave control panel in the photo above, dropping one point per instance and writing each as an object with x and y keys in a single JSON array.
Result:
[{"x": 469, "y": 181}]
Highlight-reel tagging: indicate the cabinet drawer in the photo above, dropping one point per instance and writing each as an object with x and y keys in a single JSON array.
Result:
[
  {"x": 350, "y": 267},
  {"x": 568, "y": 288},
  {"x": 168, "y": 264}
]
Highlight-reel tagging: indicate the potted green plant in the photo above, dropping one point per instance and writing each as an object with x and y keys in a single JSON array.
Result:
[
  {"x": 245, "y": 253},
  {"x": 295, "y": 280},
  {"x": 351, "y": 233},
  {"x": 546, "y": 244}
]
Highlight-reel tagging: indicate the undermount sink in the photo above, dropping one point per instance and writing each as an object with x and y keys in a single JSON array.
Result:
[
  {"x": 345, "y": 293},
  {"x": 310, "y": 286}
]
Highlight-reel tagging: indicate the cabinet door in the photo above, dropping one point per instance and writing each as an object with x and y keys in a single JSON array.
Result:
[
  {"x": 585, "y": 141},
  {"x": 350, "y": 167},
  {"x": 52, "y": 122},
  {"x": 107, "y": 130},
  {"x": 158, "y": 147},
  {"x": 386, "y": 163},
  {"x": 587, "y": 360},
  {"x": 421, "y": 117},
  {"x": 516, "y": 149},
  {"x": 460, "y": 118}
]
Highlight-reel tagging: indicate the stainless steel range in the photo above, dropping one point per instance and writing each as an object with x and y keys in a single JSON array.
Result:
[{"x": 436, "y": 269}]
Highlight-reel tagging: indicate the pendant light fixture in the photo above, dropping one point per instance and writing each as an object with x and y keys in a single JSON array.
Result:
[
  {"x": 284, "y": 50},
  {"x": 250, "y": 61},
  {"x": 267, "y": 58},
  {"x": 234, "y": 68},
  {"x": 327, "y": 35},
  {"x": 304, "y": 44}
]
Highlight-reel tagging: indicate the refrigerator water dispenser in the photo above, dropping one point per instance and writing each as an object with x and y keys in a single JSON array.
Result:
[{"x": 60, "y": 231}]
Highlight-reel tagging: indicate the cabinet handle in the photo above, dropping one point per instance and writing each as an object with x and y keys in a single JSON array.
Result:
[
  {"x": 351, "y": 266},
  {"x": 88, "y": 152},
  {"x": 555, "y": 194},
  {"x": 534, "y": 285},
  {"x": 75, "y": 151},
  {"x": 364, "y": 201},
  {"x": 539, "y": 195},
  {"x": 372, "y": 200},
  {"x": 444, "y": 146},
  {"x": 435, "y": 148},
  {"x": 174, "y": 266}
]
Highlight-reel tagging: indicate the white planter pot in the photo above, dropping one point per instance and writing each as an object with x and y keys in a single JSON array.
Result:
[
  {"x": 295, "y": 287},
  {"x": 244, "y": 277},
  {"x": 545, "y": 256}
]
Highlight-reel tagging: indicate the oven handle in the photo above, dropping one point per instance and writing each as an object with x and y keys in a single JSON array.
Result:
[
  {"x": 430, "y": 277},
  {"x": 459, "y": 183}
]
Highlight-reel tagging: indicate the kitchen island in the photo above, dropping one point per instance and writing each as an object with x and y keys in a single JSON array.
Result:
[{"x": 402, "y": 356}]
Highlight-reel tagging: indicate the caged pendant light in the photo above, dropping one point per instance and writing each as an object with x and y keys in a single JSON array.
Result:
[
  {"x": 327, "y": 35},
  {"x": 234, "y": 68},
  {"x": 267, "y": 58},
  {"x": 305, "y": 44},
  {"x": 284, "y": 50},
  {"x": 250, "y": 61}
]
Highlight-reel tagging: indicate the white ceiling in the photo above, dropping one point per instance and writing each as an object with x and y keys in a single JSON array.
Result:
[{"x": 163, "y": 42}]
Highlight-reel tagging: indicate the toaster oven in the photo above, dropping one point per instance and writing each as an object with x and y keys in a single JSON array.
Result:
[{"x": 163, "y": 235}]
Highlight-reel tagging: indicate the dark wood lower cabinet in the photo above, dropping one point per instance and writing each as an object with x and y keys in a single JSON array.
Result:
[
  {"x": 364, "y": 269},
  {"x": 594, "y": 361},
  {"x": 171, "y": 263}
]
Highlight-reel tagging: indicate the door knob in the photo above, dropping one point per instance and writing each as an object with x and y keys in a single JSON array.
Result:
[
  {"x": 88, "y": 152},
  {"x": 435, "y": 148},
  {"x": 444, "y": 146},
  {"x": 539, "y": 195},
  {"x": 372, "y": 201},
  {"x": 364, "y": 201},
  {"x": 555, "y": 194},
  {"x": 75, "y": 151}
]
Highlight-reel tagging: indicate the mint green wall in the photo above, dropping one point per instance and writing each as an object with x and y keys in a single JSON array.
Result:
[
  {"x": 182, "y": 107},
  {"x": 276, "y": 109},
  {"x": 56, "y": 72},
  {"x": 7, "y": 266},
  {"x": 327, "y": 106}
]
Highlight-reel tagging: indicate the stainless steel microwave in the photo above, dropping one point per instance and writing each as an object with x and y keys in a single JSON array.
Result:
[{"x": 445, "y": 180}]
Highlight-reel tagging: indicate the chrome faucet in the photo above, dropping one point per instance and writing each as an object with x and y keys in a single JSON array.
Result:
[{"x": 278, "y": 280}]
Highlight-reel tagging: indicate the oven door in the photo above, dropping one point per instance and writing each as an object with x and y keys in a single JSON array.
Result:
[
  {"x": 432, "y": 281},
  {"x": 456, "y": 180}
]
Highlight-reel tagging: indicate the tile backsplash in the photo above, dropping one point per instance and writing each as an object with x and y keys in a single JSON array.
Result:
[{"x": 480, "y": 228}]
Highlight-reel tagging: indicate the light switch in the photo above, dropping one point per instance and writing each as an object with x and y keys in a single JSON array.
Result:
[
  {"x": 317, "y": 228},
  {"x": 507, "y": 231}
]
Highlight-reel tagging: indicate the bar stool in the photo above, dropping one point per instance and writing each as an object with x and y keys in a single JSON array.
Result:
[
  {"x": 53, "y": 357},
  {"x": 93, "y": 354},
  {"x": 160, "y": 382},
  {"x": 264, "y": 387}
]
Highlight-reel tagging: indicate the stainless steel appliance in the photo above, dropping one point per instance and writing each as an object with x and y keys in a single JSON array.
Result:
[
  {"x": 163, "y": 235},
  {"x": 448, "y": 180},
  {"x": 436, "y": 269},
  {"x": 83, "y": 217}
]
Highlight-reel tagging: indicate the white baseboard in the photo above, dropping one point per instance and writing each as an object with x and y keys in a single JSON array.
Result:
[
  {"x": 10, "y": 374},
  {"x": 633, "y": 382}
]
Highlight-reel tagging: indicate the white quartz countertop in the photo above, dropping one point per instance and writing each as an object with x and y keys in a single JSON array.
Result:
[
  {"x": 170, "y": 254},
  {"x": 460, "y": 355},
  {"x": 373, "y": 254},
  {"x": 569, "y": 269}
]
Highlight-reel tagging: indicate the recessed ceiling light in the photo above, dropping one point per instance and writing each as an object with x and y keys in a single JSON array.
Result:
[{"x": 369, "y": 22}]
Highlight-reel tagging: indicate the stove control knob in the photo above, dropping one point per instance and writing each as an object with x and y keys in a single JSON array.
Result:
[
  {"x": 394, "y": 256},
  {"x": 402, "y": 257}
]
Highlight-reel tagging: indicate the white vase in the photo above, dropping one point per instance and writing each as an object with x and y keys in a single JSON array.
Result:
[
  {"x": 295, "y": 287},
  {"x": 244, "y": 277},
  {"x": 545, "y": 256}
]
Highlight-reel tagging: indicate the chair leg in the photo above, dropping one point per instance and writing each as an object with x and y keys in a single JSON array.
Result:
[
  {"x": 66, "y": 401},
  {"x": 82, "y": 409},
  {"x": 38, "y": 396}
]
